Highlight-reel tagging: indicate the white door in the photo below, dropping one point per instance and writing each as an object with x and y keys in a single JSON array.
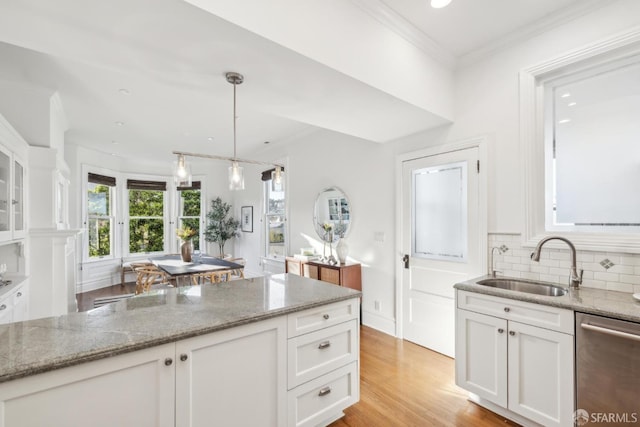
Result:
[{"x": 442, "y": 242}]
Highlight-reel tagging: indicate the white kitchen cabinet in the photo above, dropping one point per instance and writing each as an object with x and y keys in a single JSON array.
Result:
[
  {"x": 14, "y": 305},
  {"x": 12, "y": 194},
  {"x": 235, "y": 377},
  {"x": 133, "y": 389},
  {"x": 523, "y": 368},
  {"x": 323, "y": 370}
]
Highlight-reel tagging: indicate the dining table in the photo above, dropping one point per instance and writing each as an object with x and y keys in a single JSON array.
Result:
[{"x": 181, "y": 270}]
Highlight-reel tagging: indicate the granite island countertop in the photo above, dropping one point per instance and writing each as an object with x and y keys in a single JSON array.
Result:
[
  {"x": 619, "y": 305},
  {"x": 159, "y": 317}
]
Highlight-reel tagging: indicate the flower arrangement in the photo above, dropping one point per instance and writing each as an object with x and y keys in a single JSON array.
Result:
[{"x": 186, "y": 233}]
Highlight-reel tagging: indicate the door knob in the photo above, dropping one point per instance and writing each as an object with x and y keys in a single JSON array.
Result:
[{"x": 405, "y": 259}]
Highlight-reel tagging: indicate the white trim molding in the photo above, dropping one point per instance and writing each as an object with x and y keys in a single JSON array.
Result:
[{"x": 532, "y": 82}]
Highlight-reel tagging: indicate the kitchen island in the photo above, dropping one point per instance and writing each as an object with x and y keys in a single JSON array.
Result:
[{"x": 270, "y": 351}]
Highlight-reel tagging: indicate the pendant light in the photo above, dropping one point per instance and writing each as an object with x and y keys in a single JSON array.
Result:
[
  {"x": 277, "y": 180},
  {"x": 236, "y": 172},
  {"x": 181, "y": 172}
]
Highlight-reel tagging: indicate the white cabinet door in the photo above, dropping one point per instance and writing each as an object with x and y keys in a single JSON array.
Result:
[
  {"x": 6, "y": 310},
  {"x": 131, "y": 390},
  {"x": 481, "y": 355},
  {"x": 235, "y": 377},
  {"x": 541, "y": 374}
]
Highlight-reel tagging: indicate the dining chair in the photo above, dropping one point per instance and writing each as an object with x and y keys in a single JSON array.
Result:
[
  {"x": 211, "y": 277},
  {"x": 237, "y": 273},
  {"x": 148, "y": 275}
]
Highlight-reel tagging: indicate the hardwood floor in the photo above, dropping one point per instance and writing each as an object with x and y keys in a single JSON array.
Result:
[
  {"x": 85, "y": 299},
  {"x": 403, "y": 384}
]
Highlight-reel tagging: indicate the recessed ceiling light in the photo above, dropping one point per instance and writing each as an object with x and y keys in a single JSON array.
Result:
[
  {"x": 119, "y": 123},
  {"x": 115, "y": 142},
  {"x": 267, "y": 142},
  {"x": 210, "y": 138},
  {"x": 124, "y": 91},
  {"x": 572, "y": 104},
  {"x": 439, "y": 4},
  {"x": 565, "y": 95},
  {"x": 563, "y": 121}
]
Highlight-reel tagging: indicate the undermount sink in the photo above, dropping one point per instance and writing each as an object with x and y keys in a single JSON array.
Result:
[{"x": 524, "y": 286}]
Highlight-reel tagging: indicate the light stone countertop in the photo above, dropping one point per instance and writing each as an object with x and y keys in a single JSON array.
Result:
[
  {"x": 619, "y": 305},
  {"x": 159, "y": 317}
]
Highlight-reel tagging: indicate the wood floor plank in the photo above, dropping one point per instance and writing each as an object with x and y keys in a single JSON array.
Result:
[{"x": 403, "y": 384}]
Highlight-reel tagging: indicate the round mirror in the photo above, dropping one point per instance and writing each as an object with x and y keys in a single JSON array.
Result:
[{"x": 332, "y": 214}]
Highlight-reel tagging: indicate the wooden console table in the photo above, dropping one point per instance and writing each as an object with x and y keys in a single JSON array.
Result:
[{"x": 348, "y": 275}]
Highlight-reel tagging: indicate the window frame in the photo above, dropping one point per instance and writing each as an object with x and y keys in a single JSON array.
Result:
[
  {"x": 266, "y": 191},
  {"x": 203, "y": 214},
  {"x": 532, "y": 86},
  {"x": 166, "y": 245},
  {"x": 112, "y": 217}
]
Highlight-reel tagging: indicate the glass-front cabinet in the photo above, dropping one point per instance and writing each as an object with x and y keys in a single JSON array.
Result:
[{"x": 12, "y": 184}]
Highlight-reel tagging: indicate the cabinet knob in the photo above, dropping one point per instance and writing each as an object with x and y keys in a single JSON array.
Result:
[
  {"x": 324, "y": 391},
  {"x": 323, "y": 345},
  {"x": 325, "y": 316},
  {"x": 500, "y": 330},
  {"x": 19, "y": 294},
  {"x": 512, "y": 333},
  {"x": 3, "y": 306},
  {"x": 168, "y": 361},
  {"x": 183, "y": 357},
  {"x": 507, "y": 309}
]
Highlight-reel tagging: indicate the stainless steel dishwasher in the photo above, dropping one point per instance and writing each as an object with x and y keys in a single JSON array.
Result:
[{"x": 607, "y": 371}]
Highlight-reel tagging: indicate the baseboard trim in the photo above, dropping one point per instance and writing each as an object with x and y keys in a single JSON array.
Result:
[
  {"x": 503, "y": 411},
  {"x": 378, "y": 322}
]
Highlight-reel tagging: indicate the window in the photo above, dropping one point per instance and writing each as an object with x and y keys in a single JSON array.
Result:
[
  {"x": 190, "y": 209},
  {"x": 100, "y": 215},
  {"x": 578, "y": 120},
  {"x": 274, "y": 220},
  {"x": 146, "y": 215}
]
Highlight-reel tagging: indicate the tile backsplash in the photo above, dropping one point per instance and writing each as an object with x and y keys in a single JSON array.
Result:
[{"x": 602, "y": 270}]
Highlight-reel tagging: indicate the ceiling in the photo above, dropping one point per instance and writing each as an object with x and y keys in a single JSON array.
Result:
[{"x": 146, "y": 77}]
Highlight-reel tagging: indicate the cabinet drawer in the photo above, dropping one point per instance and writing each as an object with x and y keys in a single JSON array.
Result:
[
  {"x": 544, "y": 316},
  {"x": 322, "y": 400},
  {"x": 320, "y": 317},
  {"x": 293, "y": 267},
  {"x": 317, "y": 353},
  {"x": 330, "y": 275},
  {"x": 19, "y": 296}
]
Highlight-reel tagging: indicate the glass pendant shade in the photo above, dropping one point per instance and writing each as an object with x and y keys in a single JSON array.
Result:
[
  {"x": 181, "y": 172},
  {"x": 277, "y": 179},
  {"x": 236, "y": 177}
]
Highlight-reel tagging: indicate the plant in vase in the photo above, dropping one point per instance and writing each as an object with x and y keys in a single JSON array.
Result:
[
  {"x": 185, "y": 234},
  {"x": 220, "y": 225}
]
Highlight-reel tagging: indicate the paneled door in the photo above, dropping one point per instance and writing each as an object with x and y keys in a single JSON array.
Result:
[{"x": 442, "y": 242}]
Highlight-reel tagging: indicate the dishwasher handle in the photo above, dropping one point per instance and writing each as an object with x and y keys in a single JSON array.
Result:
[{"x": 607, "y": 331}]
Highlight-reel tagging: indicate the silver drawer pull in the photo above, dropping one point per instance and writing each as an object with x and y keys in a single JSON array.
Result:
[
  {"x": 325, "y": 344},
  {"x": 3, "y": 306},
  {"x": 325, "y": 316},
  {"x": 507, "y": 309},
  {"x": 500, "y": 330},
  {"x": 19, "y": 294},
  {"x": 324, "y": 391},
  {"x": 512, "y": 333}
]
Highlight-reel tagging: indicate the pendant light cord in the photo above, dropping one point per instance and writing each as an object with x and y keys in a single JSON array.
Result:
[{"x": 234, "y": 121}]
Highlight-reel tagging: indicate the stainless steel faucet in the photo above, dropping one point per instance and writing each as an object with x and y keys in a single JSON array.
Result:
[{"x": 575, "y": 279}]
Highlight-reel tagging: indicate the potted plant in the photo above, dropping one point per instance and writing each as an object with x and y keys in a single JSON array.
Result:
[
  {"x": 220, "y": 225},
  {"x": 185, "y": 234}
]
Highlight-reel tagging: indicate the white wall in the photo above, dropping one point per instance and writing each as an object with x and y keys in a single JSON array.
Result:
[{"x": 486, "y": 103}]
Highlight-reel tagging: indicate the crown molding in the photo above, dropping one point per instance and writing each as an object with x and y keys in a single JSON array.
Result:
[
  {"x": 538, "y": 27},
  {"x": 396, "y": 23}
]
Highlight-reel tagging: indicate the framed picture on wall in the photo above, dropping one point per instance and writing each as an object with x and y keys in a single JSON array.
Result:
[{"x": 246, "y": 220}]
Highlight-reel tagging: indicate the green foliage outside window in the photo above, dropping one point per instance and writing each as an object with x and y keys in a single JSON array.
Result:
[
  {"x": 190, "y": 213},
  {"x": 99, "y": 226},
  {"x": 146, "y": 223}
]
